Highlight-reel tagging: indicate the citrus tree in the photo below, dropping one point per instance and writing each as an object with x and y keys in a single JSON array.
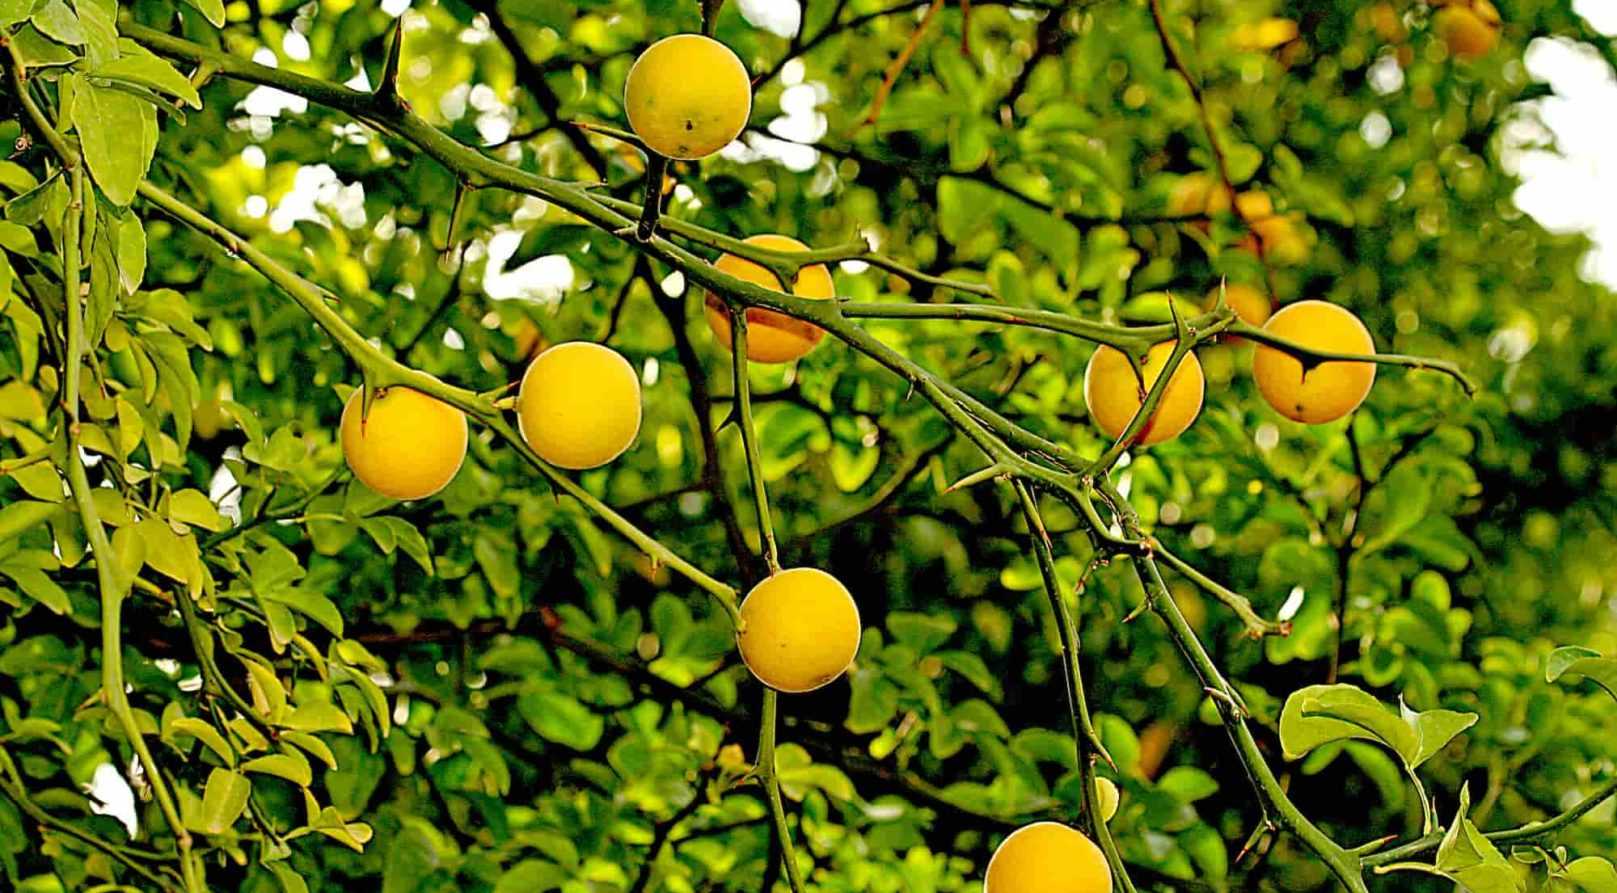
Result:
[{"x": 856, "y": 446}]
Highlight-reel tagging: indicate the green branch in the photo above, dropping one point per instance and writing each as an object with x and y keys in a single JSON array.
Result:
[
  {"x": 770, "y": 776},
  {"x": 1085, "y": 740},
  {"x": 1524, "y": 834},
  {"x": 382, "y": 370}
]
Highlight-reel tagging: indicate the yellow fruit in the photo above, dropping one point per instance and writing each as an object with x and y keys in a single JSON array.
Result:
[
  {"x": 1196, "y": 194},
  {"x": 1109, "y": 797},
  {"x": 1284, "y": 239},
  {"x": 1114, "y": 394},
  {"x": 1265, "y": 34},
  {"x": 1048, "y": 857},
  {"x": 1250, "y": 305},
  {"x": 688, "y": 96},
  {"x": 772, "y": 337},
  {"x": 1254, "y": 205},
  {"x": 800, "y": 630},
  {"x": 1470, "y": 31},
  {"x": 1328, "y": 391},
  {"x": 579, "y": 405},
  {"x": 409, "y": 446}
]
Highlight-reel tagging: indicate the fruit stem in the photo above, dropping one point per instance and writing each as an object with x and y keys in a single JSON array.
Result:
[{"x": 768, "y": 774}]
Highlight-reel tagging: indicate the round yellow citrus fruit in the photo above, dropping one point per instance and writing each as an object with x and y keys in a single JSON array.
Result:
[
  {"x": 579, "y": 405},
  {"x": 1251, "y": 306},
  {"x": 772, "y": 337},
  {"x": 1470, "y": 31},
  {"x": 408, "y": 446},
  {"x": 1325, "y": 392},
  {"x": 1114, "y": 394},
  {"x": 1048, "y": 857},
  {"x": 799, "y": 630},
  {"x": 688, "y": 96},
  {"x": 1109, "y": 797}
]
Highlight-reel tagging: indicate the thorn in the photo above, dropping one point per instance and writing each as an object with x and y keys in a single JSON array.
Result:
[
  {"x": 1255, "y": 838},
  {"x": 730, "y": 418},
  {"x": 387, "y": 89},
  {"x": 1227, "y": 697},
  {"x": 976, "y": 477},
  {"x": 1145, "y": 605},
  {"x": 1095, "y": 742},
  {"x": 1366, "y": 848}
]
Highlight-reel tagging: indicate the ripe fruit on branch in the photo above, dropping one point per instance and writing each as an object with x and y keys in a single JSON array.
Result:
[
  {"x": 408, "y": 446},
  {"x": 1469, "y": 27},
  {"x": 800, "y": 630},
  {"x": 1048, "y": 857},
  {"x": 579, "y": 405},
  {"x": 1324, "y": 392},
  {"x": 688, "y": 96},
  {"x": 1114, "y": 394},
  {"x": 772, "y": 337}
]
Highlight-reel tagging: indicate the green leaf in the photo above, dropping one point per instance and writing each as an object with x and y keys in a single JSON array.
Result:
[
  {"x": 561, "y": 718},
  {"x": 1572, "y": 660},
  {"x": 14, "y": 11},
  {"x": 1472, "y": 860},
  {"x": 1188, "y": 784},
  {"x": 532, "y": 876},
  {"x": 105, "y": 119},
  {"x": 37, "y": 51},
  {"x": 23, "y": 515},
  {"x": 212, "y": 10},
  {"x": 1320, "y": 714},
  {"x": 193, "y": 507},
  {"x": 207, "y": 734},
  {"x": 138, "y": 65},
  {"x": 292, "y": 766},
  {"x": 310, "y": 604},
  {"x": 28, "y": 570},
  {"x": 18, "y": 239},
  {"x": 923, "y": 632},
  {"x": 318, "y": 716},
  {"x": 1591, "y": 874},
  {"x": 224, "y": 799},
  {"x": 98, "y": 19},
  {"x": 416, "y": 853},
  {"x": 60, "y": 23}
]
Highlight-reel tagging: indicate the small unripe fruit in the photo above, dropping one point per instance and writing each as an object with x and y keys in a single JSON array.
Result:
[
  {"x": 1048, "y": 857},
  {"x": 1327, "y": 391},
  {"x": 688, "y": 96},
  {"x": 1109, "y": 797},
  {"x": 579, "y": 405},
  {"x": 772, "y": 337},
  {"x": 409, "y": 446},
  {"x": 799, "y": 630},
  {"x": 1114, "y": 394}
]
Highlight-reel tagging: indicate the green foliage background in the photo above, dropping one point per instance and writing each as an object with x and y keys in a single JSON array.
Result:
[{"x": 489, "y": 690}]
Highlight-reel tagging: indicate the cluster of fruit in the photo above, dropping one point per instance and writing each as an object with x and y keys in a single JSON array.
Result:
[
  {"x": 1313, "y": 392},
  {"x": 579, "y": 406}
]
